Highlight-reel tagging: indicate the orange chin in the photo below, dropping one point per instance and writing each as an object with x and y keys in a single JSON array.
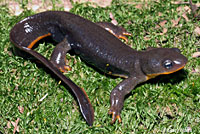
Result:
[{"x": 150, "y": 76}]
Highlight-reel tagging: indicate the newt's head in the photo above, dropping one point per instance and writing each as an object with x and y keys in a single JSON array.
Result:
[{"x": 158, "y": 61}]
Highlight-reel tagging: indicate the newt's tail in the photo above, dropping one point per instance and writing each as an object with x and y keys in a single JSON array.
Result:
[{"x": 83, "y": 100}]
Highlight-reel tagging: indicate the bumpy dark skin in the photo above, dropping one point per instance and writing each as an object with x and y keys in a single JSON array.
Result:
[{"x": 98, "y": 47}]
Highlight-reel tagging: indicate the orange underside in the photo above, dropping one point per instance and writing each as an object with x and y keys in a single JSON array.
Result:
[
  {"x": 122, "y": 37},
  {"x": 38, "y": 38},
  {"x": 150, "y": 76}
]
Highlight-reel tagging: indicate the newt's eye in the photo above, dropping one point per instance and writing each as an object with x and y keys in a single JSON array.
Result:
[{"x": 168, "y": 64}]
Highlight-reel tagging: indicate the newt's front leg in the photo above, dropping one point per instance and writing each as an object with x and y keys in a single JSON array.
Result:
[{"x": 118, "y": 94}]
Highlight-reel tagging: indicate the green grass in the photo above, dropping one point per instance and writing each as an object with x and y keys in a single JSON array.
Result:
[{"x": 167, "y": 104}]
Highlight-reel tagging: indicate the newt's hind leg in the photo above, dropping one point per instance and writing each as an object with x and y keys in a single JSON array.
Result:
[
  {"x": 58, "y": 57},
  {"x": 117, "y": 31}
]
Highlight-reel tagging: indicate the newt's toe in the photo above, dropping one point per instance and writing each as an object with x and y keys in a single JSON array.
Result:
[
  {"x": 68, "y": 68},
  {"x": 115, "y": 116},
  {"x": 123, "y": 37},
  {"x": 65, "y": 68}
]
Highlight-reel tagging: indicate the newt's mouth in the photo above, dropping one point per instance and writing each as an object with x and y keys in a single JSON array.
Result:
[{"x": 150, "y": 76}]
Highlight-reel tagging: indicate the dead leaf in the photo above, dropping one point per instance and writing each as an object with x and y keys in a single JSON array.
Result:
[
  {"x": 147, "y": 38},
  {"x": 159, "y": 14},
  {"x": 113, "y": 20},
  {"x": 175, "y": 22},
  {"x": 195, "y": 70},
  {"x": 187, "y": 9},
  {"x": 8, "y": 124},
  {"x": 164, "y": 31},
  {"x": 196, "y": 54},
  {"x": 179, "y": 9},
  {"x": 179, "y": 2},
  {"x": 15, "y": 124},
  {"x": 34, "y": 5},
  {"x": 185, "y": 17},
  {"x": 175, "y": 107},
  {"x": 67, "y": 5},
  {"x": 39, "y": 5},
  {"x": 101, "y": 3},
  {"x": 197, "y": 31},
  {"x": 162, "y": 23},
  {"x": 14, "y": 8},
  {"x": 188, "y": 129},
  {"x": 168, "y": 111},
  {"x": 157, "y": 26},
  {"x": 21, "y": 109},
  {"x": 139, "y": 6}
]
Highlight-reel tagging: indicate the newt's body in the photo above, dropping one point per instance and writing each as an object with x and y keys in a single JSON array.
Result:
[{"x": 98, "y": 47}]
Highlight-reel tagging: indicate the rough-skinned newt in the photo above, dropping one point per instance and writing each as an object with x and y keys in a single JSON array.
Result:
[{"x": 97, "y": 45}]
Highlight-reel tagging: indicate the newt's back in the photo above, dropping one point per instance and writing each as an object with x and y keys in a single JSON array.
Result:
[{"x": 93, "y": 43}]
